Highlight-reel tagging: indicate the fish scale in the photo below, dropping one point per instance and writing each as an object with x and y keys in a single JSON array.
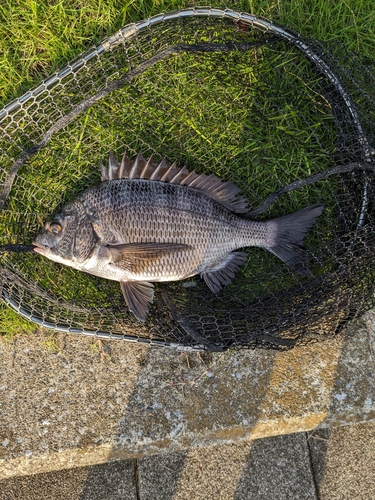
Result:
[
  {"x": 149, "y": 222},
  {"x": 176, "y": 215}
]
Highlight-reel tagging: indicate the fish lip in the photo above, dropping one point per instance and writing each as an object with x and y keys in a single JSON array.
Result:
[{"x": 39, "y": 248}]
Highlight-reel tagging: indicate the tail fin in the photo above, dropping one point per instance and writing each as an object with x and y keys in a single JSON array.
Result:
[{"x": 289, "y": 231}]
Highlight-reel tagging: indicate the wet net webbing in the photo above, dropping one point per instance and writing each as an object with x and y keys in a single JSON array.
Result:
[{"x": 290, "y": 121}]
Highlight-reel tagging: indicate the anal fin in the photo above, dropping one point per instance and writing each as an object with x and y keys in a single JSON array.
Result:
[
  {"x": 224, "y": 271},
  {"x": 138, "y": 296}
]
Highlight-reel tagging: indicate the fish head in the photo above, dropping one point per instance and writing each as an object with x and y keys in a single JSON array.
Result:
[
  {"x": 68, "y": 239},
  {"x": 56, "y": 240}
]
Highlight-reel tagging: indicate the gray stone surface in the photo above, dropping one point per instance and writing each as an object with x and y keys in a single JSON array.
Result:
[
  {"x": 353, "y": 390},
  {"x": 344, "y": 462},
  {"x": 115, "y": 481},
  {"x": 265, "y": 469},
  {"x": 277, "y": 468},
  {"x": 318, "y": 440},
  {"x": 369, "y": 319},
  {"x": 159, "y": 475},
  {"x": 83, "y": 402}
]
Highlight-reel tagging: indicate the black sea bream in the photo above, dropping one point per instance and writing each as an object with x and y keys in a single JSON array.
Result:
[{"x": 149, "y": 222}]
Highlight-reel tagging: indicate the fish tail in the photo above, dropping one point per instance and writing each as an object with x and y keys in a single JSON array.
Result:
[{"x": 286, "y": 235}]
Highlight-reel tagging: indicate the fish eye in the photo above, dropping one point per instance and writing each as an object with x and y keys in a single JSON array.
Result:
[{"x": 55, "y": 227}]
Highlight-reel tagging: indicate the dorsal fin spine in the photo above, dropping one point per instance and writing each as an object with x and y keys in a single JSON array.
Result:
[
  {"x": 112, "y": 164},
  {"x": 122, "y": 167},
  {"x": 197, "y": 179},
  {"x": 131, "y": 172},
  {"x": 168, "y": 171},
  {"x": 145, "y": 169},
  {"x": 189, "y": 178},
  {"x": 103, "y": 173},
  {"x": 174, "y": 179},
  {"x": 138, "y": 164}
]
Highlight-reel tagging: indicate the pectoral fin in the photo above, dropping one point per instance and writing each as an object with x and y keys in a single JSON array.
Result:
[
  {"x": 135, "y": 256},
  {"x": 138, "y": 297}
]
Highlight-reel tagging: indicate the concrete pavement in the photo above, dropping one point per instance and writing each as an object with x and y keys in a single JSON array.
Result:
[
  {"x": 86, "y": 419},
  {"x": 329, "y": 464}
]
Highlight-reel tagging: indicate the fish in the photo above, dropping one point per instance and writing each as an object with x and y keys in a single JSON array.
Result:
[{"x": 149, "y": 222}]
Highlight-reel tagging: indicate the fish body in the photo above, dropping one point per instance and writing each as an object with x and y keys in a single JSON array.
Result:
[{"x": 149, "y": 222}]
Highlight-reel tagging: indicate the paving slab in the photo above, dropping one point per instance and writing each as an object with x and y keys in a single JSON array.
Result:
[
  {"x": 159, "y": 475},
  {"x": 343, "y": 460},
  {"x": 115, "y": 481},
  {"x": 327, "y": 464},
  {"x": 69, "y": 401},
  {"x": 272, "y": 468}
]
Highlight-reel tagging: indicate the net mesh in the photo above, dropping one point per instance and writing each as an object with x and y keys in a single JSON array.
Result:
[{"x": 220, "y": 92}]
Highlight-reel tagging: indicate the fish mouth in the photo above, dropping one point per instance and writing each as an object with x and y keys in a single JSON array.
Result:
[{"x": 39, "y": 248}]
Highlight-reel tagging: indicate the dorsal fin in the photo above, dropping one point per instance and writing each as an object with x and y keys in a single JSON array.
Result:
[{"x": 223, "y": 192}]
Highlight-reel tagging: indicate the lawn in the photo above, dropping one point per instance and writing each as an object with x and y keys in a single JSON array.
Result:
[{"x": 159, "y": 116}]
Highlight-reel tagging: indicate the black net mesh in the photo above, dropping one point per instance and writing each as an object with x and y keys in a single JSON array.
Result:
[{"x": 220, "y": 92}]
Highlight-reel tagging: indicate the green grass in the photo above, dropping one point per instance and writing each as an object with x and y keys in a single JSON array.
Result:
[
  {"x": 12, "y": 324},
  {"x": 38, "y": 37}
]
